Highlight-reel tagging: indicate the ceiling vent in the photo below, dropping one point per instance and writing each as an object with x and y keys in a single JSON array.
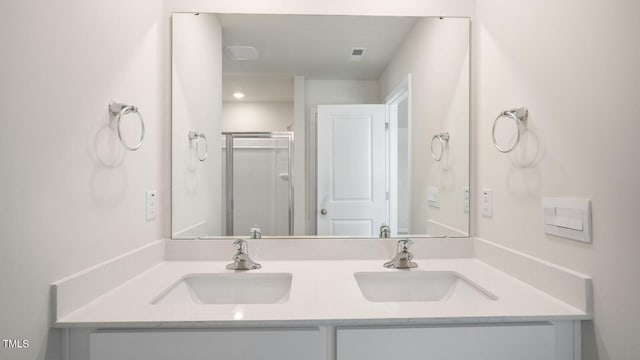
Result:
[
  {"x": 357, "y": 54},
  {"x": 241, "y": 53}
]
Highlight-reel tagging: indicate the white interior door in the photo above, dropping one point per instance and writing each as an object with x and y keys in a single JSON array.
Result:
[{"x": 351, "y": 179}]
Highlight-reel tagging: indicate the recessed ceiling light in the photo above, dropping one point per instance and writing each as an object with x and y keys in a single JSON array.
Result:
[{"x": 238, "y": 95}]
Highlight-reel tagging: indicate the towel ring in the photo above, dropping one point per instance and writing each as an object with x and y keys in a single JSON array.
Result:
[
  {"x": 520, "y": 116},
  {"x": 443, "y": 139},
  {"x": 118, "y": 110},
  {"x": 197, "y": 136}
]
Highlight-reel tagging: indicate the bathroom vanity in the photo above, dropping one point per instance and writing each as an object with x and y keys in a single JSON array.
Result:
[
  {"x": 176, "y": 299},
  {"x": 527, "y": 341}
]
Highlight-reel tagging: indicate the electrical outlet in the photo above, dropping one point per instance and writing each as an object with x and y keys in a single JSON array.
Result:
[
  {"x": 486, "y": 203},
  {"x": 151, "y": 202}
]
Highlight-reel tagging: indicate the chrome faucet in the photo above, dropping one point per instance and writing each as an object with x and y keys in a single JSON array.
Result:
[
  {"x": 385, "y": 231},
  {"x": 241, "y": 260},
  {"x": 255, "y": 232},
  {"x": 403, "y": 257}
]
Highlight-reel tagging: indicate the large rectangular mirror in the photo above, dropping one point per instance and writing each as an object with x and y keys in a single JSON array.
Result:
[{"x": 310, "y": 125}]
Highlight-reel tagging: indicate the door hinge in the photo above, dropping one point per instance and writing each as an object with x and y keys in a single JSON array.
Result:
[
  {"x": 387, "y": 195},
  {"x": 386, "y": 126}
]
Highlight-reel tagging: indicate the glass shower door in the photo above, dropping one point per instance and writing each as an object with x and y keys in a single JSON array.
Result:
[{"x": 258, "y": 187}]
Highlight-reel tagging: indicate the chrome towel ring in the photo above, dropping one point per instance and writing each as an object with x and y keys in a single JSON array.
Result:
[
  {"x": 443, "y": 139},
  {"x": 119, "y": 110},
  {"x": 197, "y": 137},
  {"x": 520, "y": 116}
]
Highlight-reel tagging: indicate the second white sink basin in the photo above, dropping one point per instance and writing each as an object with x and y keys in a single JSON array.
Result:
[
  {"x": 404, "y": 286},
  {"x": 228, "y": 288}
]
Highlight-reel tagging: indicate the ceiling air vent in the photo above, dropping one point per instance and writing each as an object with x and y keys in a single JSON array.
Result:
[
  {"x": 357, "y": 54},
  {"x": 241, "y": 53}
]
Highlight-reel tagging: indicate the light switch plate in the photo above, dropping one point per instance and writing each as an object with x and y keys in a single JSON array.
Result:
[
  {"x": 433, "y": 196},
  {"x": 486, "y": 202},
  {"x": 466, "y": 199},
  {"x": 151, "y": 205}
]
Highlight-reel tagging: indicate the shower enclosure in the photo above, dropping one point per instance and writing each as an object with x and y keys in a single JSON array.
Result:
[{"x": 257, "y": 182}]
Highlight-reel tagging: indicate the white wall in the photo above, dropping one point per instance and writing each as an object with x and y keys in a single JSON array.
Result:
[
  {"x": 71, "y": 197},
  {"x": 436, "y": 54},
  {"x": 300, "y": 164},
  {"x": 575, "y": 65},
  {"x": 196, "y": 104},
  {"x": 335, "y": 92},
  {"x": 403, "y": 183},
  {"x": 257, "y": 116}
]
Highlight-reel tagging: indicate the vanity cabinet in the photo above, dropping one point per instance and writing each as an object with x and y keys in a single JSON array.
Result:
[
  {"x": 227, "y": 344},
  {"x": 500, "y": 341},
  {"x": 526, "y": 341}
]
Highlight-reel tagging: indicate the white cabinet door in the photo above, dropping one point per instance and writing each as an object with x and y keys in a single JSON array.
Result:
[
  {"x": 533, "y": 341},
  {"x": 351, "y": 175},
  {"x": 226, "y": 344}
]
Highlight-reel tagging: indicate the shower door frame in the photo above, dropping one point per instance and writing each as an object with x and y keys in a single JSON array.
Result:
[{"x": 229, "y": 137}]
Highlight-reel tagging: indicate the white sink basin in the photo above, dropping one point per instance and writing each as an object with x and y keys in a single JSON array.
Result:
[
  {"x": 403, "y": 286},
  {"x": 228, "y": 288}
]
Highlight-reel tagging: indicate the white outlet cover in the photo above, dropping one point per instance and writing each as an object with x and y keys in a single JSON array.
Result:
[
  {"x": 433, "y": 196},
  {"x": 467, "y": 199},
  {"x": 486, "y": 202},
  {"x": 151, "y": 205}
]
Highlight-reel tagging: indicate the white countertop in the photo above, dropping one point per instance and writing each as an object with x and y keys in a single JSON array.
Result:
[{"x": 322, "y": 291}]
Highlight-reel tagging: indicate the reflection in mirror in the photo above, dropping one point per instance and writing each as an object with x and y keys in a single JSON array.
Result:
[
  {"x": 257, "y": 172},
  {"x": 320, "y": 125}
]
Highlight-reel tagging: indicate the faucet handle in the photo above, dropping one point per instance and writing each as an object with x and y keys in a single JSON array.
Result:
[
  {"x": 241, "y": 260},
  {"x": 241, "y": 246},
  {"x": 403, "y": 244},
  {"x": 402, "y": 259}
]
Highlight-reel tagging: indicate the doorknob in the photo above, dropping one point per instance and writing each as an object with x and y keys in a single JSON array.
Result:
[{"x": 323, "y": 211}]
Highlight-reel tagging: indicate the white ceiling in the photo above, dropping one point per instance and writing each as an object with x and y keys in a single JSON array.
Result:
[
  {"x": 258, "y": 87},
  {"x": 315, "y": 46}
]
